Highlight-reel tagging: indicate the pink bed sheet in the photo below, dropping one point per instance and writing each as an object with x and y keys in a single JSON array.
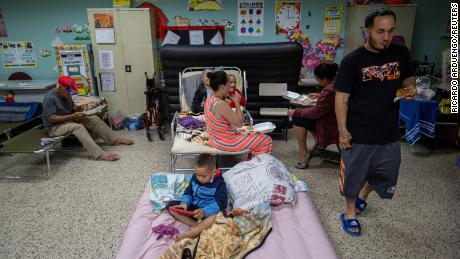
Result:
[{"x": 296, "y": 233}]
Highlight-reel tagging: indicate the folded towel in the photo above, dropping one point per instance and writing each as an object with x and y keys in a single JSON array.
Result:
[{"x": 419, "y": 117}]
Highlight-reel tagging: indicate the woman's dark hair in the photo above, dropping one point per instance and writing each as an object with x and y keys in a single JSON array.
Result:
[
  {"x": 326, "y": 71},
  {"x": 217, "y": 78},
  {"x": 369, "y": 21}
]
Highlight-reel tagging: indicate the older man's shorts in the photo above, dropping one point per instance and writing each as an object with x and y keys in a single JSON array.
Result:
[{"x": 376, "y": 164}]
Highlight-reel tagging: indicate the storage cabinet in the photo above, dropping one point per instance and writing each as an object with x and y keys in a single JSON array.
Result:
[
  {"x": 134, "y": 53},
  {"x": 356, "y": 14}
]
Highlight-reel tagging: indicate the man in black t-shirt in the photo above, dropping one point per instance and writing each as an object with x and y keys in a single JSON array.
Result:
[{"x": 368, "y": 117}]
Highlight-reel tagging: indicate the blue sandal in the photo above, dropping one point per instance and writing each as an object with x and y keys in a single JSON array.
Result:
[
  {"x": 360, "y": 205},
  {"x": 349, "y": 224}
]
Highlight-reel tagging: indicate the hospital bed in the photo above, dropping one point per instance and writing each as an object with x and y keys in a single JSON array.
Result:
[
  {"x": 182, "y": 148},
  {"x": 263, "y": 63}
]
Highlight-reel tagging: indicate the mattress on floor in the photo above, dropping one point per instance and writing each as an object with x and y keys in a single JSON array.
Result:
[{"x": 296, "y": 233}]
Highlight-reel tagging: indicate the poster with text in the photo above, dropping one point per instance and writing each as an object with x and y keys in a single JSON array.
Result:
[
  {"x": 3, "y": 32},
  {"x": 73, "y": 60},
  {"x": 250, "y": 18},
  {"x": 18, "y": 54}
]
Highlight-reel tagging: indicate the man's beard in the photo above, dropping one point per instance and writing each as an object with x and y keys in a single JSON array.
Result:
[{"x": 371, "y": 43}]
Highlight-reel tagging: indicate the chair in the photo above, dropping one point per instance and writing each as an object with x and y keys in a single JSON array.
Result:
[
  {"x": 19, "y": 76},
  {"x": 326, "y": 155},
  {"x": 186, "y": 149},
  {"x": 275, "y": 90}
]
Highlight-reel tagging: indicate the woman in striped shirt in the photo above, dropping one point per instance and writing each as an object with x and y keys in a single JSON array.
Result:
[{"x": 222, "y": 121}]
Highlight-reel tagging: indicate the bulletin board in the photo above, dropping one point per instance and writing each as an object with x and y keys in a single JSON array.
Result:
[{"x": 73, "y": 60}]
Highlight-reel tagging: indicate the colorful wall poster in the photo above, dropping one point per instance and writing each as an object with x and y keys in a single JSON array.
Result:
[
  {"x": 18, "y": 54},
  {"x": 250, "y": 17},
  {"x": 73, "y": 60},
  {"x": 332, "y": 19},
  {"x": 3, "y": 32},
  {"x": 287, "y": 16},
  {"x": 104, "y": 30},
  {"x": 103, "y": 20},
  {"x": 201, "y": 5}
]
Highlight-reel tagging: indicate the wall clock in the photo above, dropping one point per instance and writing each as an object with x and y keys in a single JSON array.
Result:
[{"x": 287, "y": 18}]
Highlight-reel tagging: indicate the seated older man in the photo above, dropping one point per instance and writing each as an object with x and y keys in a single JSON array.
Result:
[{"x": 62, "y": 116}]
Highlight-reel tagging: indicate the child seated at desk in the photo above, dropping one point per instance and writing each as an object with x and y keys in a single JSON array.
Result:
[{"x": 206, "y": 195}]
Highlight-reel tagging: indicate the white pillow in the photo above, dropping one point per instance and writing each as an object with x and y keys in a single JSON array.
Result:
[{"x": 262, "y": 179}]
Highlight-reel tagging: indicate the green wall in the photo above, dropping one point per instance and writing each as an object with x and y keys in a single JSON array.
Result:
[
  {"x": 36, "y": 21},
  {"x": 316, "y": 8},
  {"x": 431, "y": 23}
]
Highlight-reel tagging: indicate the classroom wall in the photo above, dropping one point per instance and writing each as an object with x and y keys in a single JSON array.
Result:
[
  {"x": 432, "y": 21},
  {"x": 316, "y": 8},
  {"x": 36, "y": 21}
]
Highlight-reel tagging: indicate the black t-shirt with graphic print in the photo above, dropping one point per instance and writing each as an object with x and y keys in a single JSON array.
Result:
[{"x": 372, "y": 79}]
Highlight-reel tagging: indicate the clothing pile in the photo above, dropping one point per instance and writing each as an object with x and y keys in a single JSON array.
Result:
[
  {"x": 193, "y": 129},
  {"x": 189, "y": 122}
]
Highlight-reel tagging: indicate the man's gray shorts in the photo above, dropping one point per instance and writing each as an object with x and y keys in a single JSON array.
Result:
[{"x": 377, "y": 164}]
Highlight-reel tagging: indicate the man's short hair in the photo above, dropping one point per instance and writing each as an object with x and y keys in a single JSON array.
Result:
[
  {"x": 206, "y": 160},
  {"x": 382, "y": 11}
]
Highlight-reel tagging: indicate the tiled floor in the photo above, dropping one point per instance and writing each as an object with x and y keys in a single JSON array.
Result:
[{"x": 83, "y": 209}]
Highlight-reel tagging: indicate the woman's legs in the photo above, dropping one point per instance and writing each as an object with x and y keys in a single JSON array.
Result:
[
  {"x": 301, "y": 127},
  {"x": 301, "y": 136}
]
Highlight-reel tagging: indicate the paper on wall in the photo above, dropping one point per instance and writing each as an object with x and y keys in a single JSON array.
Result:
[
  {"x": 17, "y": 54},
  {"x": 250, "y": 17},
  {"x": 217, "y": 39},
  {"x": 107, "y": 81},
  {"x": 106, "y": 59},
  {"x": 170, "y": 38},
  {"x": 105, "y": 35},
  {"x": 196, "y": 37}
]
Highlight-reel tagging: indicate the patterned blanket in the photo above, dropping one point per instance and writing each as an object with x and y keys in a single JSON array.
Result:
[
  {"x": 166, "y": 187},
  {"x": 227, "y": 237}
]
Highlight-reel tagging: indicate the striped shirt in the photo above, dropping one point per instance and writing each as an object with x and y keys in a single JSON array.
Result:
[{"x": 223, "y": 136}]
